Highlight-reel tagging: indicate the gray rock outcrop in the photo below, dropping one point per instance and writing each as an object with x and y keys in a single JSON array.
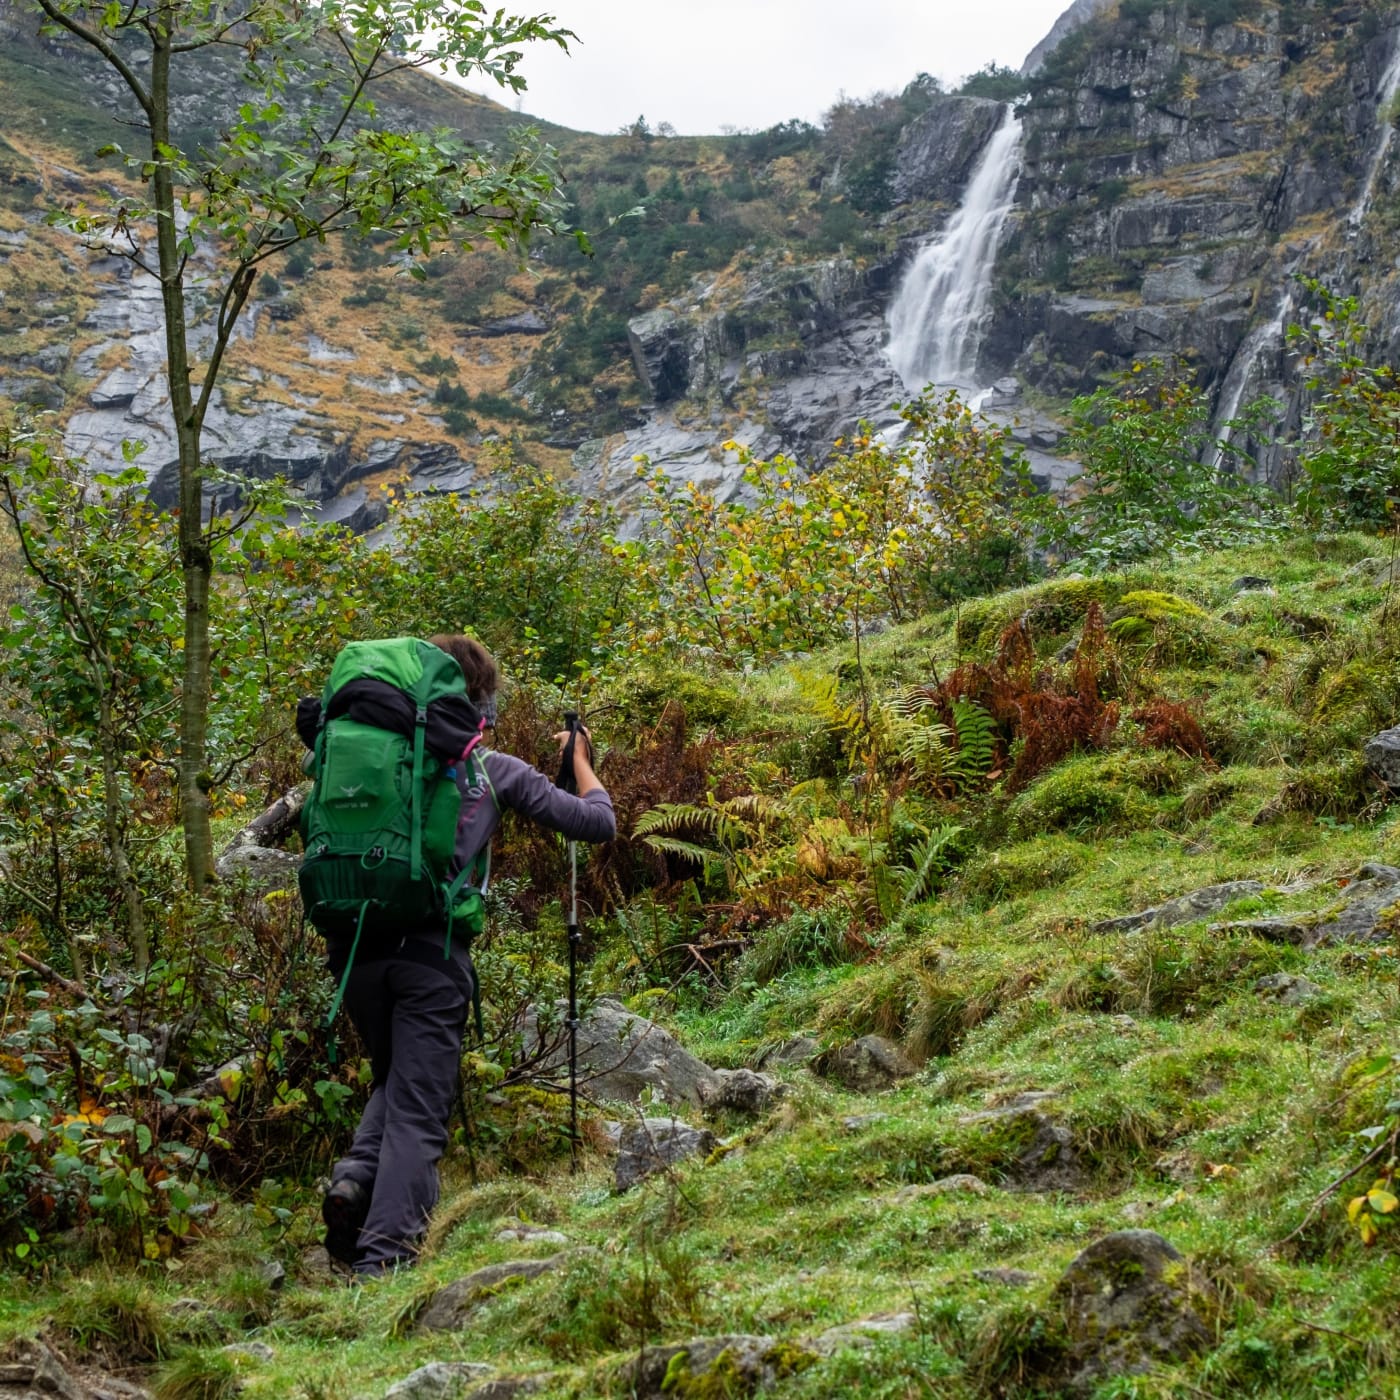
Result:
[
  {"x": 938, "y": 150},
  {"x": 655, "y": 1144},
  {"x": 1287, "y": 989},
  {"x": 744, "y": 1091},
  {"x": 451, "y": 1307},
  {"x": 797, "y": 1050},
  {"x": 740, "y": 1363},
  {"x": 862, "y": 1334},
  {"x": 439, "y": 1380},
  {"x": 1199, "y": 904},
  {"x": 30, "y": 1370},
  {"x": 865, "y": 1066},
  {"x": 1382, "y": 754},
  {"x": 622, "y": 1057},
  {"x": 1368, "y": 912},
  {"x": 1132, "y": 1303},
  {"x": 959, "y": 1184},
  {"x": 1041, "y": 1153}
]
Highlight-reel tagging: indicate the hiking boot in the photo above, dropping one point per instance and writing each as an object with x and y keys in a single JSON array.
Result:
[{"x": 344, "y": 1208}]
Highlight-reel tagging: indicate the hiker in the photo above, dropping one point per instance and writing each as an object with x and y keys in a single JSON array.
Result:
[{"x": 409, "y": 1001}]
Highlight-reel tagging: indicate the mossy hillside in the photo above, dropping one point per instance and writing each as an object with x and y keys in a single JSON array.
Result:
[{"x": 1197, "y": 1106}]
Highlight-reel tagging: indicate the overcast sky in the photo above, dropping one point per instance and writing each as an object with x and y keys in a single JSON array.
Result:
[{"x": 707, "y": 64}]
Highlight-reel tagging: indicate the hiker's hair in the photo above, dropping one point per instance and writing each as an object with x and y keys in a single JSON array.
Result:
[{"x": 478, "y": 665}]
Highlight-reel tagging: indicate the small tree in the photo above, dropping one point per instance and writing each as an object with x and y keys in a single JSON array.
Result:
[
  {"x": 98, "y": 633},
  {"x": 1153, "y": 477},
  {"x": 301, "y": 154},
  {"x": 1351, "y": 459}
]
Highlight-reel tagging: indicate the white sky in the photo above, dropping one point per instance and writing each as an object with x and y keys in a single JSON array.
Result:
[{"x": 704, "y": 64}]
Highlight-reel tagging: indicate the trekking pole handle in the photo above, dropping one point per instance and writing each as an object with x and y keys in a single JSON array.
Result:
[{"x": 566, "y": 778}]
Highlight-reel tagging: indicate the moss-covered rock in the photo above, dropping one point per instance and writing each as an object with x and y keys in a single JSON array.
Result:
[
  {"x": 1098, "y": 793},
  {"x": 1040, "y": 863},
  {"x": 1050, "y": 610},
  {"x": 1131, "y": 1303}
]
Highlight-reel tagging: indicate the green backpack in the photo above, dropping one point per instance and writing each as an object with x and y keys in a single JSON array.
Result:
[{"x": 379, "y": 827}]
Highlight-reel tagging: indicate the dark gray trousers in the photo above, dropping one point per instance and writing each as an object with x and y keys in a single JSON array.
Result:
[{"x": 411, "y": 1015}]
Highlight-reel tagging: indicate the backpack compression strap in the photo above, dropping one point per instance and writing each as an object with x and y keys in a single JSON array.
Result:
[{"x": 415, "y": 840}]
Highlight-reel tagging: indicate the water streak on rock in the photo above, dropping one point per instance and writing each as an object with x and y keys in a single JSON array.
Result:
[{"x": 1390, "y": 84}]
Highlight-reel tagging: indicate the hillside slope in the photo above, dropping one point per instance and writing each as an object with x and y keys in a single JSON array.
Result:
[{"x": 1204, "y": 1072}]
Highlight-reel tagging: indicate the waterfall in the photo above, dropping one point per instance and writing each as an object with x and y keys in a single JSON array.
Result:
[
  {"x": 1263, "y": 339},
  {"x": 1390, "y": 83},
  {"x": 936, "y": 317}
]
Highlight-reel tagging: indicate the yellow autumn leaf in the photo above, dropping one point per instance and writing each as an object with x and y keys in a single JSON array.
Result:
[
  {"x": 1383, "y": 1202},
  {"x": 1354, "y": 1207}
]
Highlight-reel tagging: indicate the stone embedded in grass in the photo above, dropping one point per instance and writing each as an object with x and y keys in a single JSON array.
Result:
[
  {"x": 1008, "y": 1278},
  {"x": 1382, "y": 754},
  {"x": 859, "y": 1335},
  {"x": 711, "y": 1366},
  {"x": 438, "y": 1380},
  {"x": 859, "y": 1121},
  {"x": 34, "y": 1366},
  {"x": 450, "y": 1308},
  {"x": 1251, "y": 583},
  {"x": 1132, "y": 1303},
  {"x": 1196, "y": 905},
  {"x": 1368, "y": 912},
  {"x": 1287, "y": 989},
  {"x": 250, "y": 1351},
  {"x": 507, "y": 1388},
  {"x": 520, "y": 1232},
  {"x": 622, "y": 1057},
  {"x": 959, "y": 1184},
  {"x": 795, "y": 1051},
  {"x": 1039, "y": 1153},
  {"x": 743, "y": 1091},
  {"x": 655, "y": 1144},
  {"x": 866, "y": 1066}
]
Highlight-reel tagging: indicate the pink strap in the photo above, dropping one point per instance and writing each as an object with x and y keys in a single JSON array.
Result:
[{"x": 474, "y": 740}]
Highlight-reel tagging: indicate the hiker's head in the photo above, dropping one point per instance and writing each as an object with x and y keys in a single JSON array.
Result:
[{"x": 478, "y": 667}]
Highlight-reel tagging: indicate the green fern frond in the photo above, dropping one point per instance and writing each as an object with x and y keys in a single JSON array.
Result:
[
  {"x": 914, "y": 702},
  {"x": 687, "y": 850},
  {"x": 667, "y": 818},
  {"x": 929, "y": 861},
  {"x": 755, "y": 807},
  {"x": 976, "y": 733},
  {"x": 820, "y": 693},
  {"x": 925, "y": 747}
]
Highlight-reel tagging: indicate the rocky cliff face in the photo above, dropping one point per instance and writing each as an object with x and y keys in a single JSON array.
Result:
[
  {"x": 1180, "y": 163},
  {"x": 1177, "y": 175}
]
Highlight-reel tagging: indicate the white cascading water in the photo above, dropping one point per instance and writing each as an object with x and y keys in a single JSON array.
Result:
[
  {"x": 936, "y": 317},
  {"x": 1390, "y": 84},
  {"x": 1262, "y": 340}
]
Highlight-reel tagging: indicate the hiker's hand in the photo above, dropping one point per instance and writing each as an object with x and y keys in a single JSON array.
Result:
[{"x": 585, "y": 779}]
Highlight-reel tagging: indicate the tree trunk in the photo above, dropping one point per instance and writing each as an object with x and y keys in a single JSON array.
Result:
[
  {"x": 116, "y": 842},
  {"x": 196, "y": 557}
]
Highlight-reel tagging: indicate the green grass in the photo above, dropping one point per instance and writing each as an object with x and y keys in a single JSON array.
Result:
[{"x": 1198, "y": 1107}]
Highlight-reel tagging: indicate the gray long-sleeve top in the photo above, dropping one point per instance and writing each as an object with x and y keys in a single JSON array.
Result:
[{"x": 513, "y": 785}]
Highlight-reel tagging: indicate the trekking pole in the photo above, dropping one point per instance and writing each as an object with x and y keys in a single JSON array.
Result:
[{"x": 569, "y": 783}]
